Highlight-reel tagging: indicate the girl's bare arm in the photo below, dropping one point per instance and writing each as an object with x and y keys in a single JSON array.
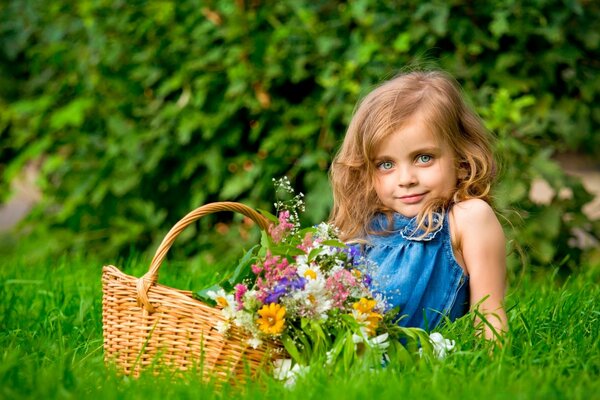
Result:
[{"x": 481, "y": 243}]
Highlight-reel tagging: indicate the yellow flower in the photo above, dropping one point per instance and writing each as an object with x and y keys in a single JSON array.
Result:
[
  {"x": 371, "y": 319},
  {"x": 372, "y": 322},
  {"x": 364, "y": 305},
  {"x": 222, "y": 301},
  {"x": 309, "y": 273},
  {"x": 272, "y": 319}
]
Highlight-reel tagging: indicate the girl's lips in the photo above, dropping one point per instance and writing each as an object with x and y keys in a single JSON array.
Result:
[{"x": 412, "y": 198}]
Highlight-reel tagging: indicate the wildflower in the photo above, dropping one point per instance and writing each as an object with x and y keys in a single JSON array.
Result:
[
  {"x": 279, "y": 232},
  {"x": 240, "y": 291},
  {"x": 272, "y": 319},
  {"x": 284, "y": 371},
  {"x": 222, "y": 327},
  {"x": 380, "y": 342},
  {"x": 307, "y": 243},
  {"x": 224, "y": 300},
  {"x": 340, "y": 283},
  {"x": 441, "y": 346},
  {"x": 363, "y": 313},
  {"x": 254, "y": 342},
  {"x": 364, "y": 305},
  {"x": 309, "y": 271},
  {"x": 314, "y": 301},
  {"x": 283, "y": 287}
]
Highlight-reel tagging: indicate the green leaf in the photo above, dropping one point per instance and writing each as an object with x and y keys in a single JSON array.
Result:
[
  {"x": 334, "y": 243},
  {"x": 202, "y": 295},
  {"x": 349, "y": 350},
  {"x": 287, "y": 251},
  {"x": 402, "y": 42},
  {"x": 71, "y": 114},
  {"x": 244, "y": 267},
  {"x": 290, "y": 346}
]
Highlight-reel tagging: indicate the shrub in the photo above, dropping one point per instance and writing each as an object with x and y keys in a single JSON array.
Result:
[{"x": 141, "y": 111}]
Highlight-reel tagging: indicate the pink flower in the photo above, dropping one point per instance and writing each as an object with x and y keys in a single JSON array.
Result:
[
  {"x": 339, "y": 285},
  {"x": 273, "y": 270},
  {"x": 257, "y": 269},
  {"x": 240, "y": 291},
  {"x": 307, "y": 242},
  {"x": 285, "y": 226}
]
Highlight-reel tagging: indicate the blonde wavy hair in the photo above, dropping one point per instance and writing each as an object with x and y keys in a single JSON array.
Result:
[{"x": 436, "y": 96}]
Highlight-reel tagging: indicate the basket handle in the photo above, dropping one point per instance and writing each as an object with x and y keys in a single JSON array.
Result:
[{"x": 150, "y": 277}]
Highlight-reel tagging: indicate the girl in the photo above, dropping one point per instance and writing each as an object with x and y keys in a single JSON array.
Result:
[{"x": 411, "y": 183}]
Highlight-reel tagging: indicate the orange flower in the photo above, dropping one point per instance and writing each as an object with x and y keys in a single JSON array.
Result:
[
  {"x": 371, "y": 319},
  {"x": 364, "y": 305},
  {"x": 272, "y": 319},
  {"x": 372, "y": 322}
]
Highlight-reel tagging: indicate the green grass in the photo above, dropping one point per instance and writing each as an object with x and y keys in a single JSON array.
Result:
[{"x": 51, "y": 344}]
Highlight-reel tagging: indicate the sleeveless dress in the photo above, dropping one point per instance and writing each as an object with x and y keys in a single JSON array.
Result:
[{"x": 419, "y": 274}]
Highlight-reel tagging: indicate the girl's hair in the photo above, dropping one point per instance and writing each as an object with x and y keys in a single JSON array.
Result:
[{"x": 437, "y": 97}]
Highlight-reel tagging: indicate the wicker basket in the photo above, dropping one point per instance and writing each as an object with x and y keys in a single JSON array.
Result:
[{"x": 146, "y": 324}]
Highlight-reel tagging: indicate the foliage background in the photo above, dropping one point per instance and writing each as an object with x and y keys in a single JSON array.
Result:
[{"x": 136, "y": 112}]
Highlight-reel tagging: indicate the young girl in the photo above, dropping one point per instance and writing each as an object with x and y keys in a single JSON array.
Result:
[{"x": 411, "y": 183}]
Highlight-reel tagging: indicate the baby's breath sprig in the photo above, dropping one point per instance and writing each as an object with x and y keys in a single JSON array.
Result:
[{"x": 288, "y": 201}]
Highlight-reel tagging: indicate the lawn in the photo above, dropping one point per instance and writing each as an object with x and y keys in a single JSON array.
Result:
[{"x": 51, "y": 343}]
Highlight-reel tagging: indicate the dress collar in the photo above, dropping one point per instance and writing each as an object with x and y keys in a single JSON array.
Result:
[{"x": 407, "y": 227}]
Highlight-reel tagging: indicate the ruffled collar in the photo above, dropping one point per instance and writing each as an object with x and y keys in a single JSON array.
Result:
[{"x": 407, "y": 227}]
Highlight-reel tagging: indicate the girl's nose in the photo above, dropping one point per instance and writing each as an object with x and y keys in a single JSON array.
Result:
[{"x": 406, "y": 177}]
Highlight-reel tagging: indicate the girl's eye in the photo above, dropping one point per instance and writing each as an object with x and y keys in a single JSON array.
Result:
[
  {"x": 424, "y": 158},
  {"x": 385, "y": 165}
]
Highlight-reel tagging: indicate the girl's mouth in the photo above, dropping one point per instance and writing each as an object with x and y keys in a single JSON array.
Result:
[{"x": 412, "y": 198}]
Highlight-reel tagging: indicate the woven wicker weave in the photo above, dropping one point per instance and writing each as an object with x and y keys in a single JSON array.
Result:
[{"x": 147, "y": 324}]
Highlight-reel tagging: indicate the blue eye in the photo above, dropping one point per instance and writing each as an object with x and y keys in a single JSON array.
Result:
[
  {"x": 424, "y": 158},
  {"x": 385, "y": 165}
]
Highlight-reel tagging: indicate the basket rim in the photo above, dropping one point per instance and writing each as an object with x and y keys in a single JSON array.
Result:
[{"x": 150, "y": 278}]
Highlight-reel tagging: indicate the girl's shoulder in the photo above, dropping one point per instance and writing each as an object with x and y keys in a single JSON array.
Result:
[
  {"x": 474, "y": 223},
  {"x": 472, "y": 211}
]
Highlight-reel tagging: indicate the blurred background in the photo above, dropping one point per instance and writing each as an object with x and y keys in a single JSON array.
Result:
[{"x": 119, "y": 117}]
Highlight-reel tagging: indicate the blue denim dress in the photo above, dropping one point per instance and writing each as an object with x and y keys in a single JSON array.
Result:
[{"x": 419, "y": 274}]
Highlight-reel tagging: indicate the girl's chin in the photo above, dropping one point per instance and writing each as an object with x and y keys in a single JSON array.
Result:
[{"x": 407, "y": 213}]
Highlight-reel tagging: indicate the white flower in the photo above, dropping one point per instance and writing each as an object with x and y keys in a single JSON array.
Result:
[
  {"x": 254, "y": 342},
  {"x": 222, "y": 326},
  {"x": 326, "y": 231},
  {"x": 441, "y": 346},
  {"x": 284, "y": 371},
  {"x": 381, "y": 303},
  {"x": 301, "y": 262},
  {"x": 314, "y": 301},
  {"x": 380, "y": 342},
  {"x": 307, "y": 271},
  {"x": 224, "y": 300},
  {"x": 244, "y": 320}
]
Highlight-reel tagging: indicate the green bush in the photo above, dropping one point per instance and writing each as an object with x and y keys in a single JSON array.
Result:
[{"x": 141, "y": 111}]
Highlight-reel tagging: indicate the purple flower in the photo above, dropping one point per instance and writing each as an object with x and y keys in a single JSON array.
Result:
[
  {"x": 284, "y": 286},
  {"x": 367, "y": 280},
  {"x": 274, "y": 296},
  {"x": 353, "y": 253}
]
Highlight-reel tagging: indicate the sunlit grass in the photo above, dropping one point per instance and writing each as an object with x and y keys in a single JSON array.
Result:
[{"x": 51, "y": 344}]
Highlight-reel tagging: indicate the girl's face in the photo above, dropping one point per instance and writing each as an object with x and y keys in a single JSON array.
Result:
[{"x": 412, "y": 167}]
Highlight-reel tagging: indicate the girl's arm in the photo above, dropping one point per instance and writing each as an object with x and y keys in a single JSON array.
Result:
[{"x": 481, "y": 243}]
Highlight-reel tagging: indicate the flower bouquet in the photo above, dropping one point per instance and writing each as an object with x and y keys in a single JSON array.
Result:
[{"x": 313, "y": 293}]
